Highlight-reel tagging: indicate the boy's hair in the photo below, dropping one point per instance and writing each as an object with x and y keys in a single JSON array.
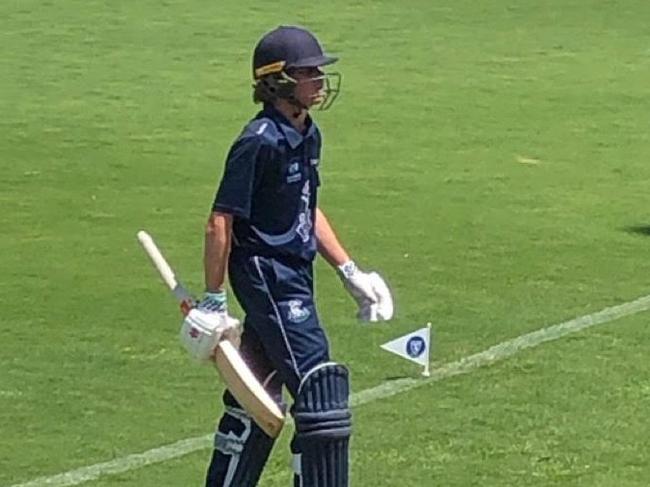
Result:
[{"x": 271, "y": 87}]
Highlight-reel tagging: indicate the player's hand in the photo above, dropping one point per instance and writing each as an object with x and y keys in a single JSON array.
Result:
[
  {"x": 383, "y": 308},
  {"x": 214, "y": 302},
  {"x": 217, "y": 302},
  {"x": 202, "y": 330},
  {"x": 370, "y": 291}
]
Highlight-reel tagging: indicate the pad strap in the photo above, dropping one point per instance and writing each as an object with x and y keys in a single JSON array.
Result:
[{"x": 241, "y": 448}]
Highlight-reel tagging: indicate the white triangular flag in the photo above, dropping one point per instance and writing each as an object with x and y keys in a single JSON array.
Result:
[{"x": 415, "y": 347}]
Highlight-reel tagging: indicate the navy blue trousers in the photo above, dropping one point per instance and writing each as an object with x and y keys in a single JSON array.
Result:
[
  {"x": 282, "y": 332},
  {"x": 282, "y": 340}
]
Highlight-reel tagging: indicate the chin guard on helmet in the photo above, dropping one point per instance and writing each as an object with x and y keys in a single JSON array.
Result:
[{"x": 271, "y": 87}]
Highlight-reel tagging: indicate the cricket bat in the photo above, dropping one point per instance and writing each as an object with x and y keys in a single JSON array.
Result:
[{"x": 233, "y": 370}]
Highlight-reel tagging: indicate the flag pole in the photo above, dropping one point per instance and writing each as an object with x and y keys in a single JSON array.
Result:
[{"x": 426, "y": 372}]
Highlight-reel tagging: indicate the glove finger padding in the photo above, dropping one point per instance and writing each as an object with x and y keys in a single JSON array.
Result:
[
  {"x": 360, "y": 288},
  {"x": 202, "y": 330},
  {"x": 383, "y": 309},
  {"x": 233, "y": 332},
  {"x": 367, "y": 312}
]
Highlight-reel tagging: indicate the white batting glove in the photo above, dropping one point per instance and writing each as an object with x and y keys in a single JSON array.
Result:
[
  {"x": 383, "y": 309},
  {"x": 216, "y": 302},
  {"x": 203, "y": 328},
  {"x": 370, "y": 291}
]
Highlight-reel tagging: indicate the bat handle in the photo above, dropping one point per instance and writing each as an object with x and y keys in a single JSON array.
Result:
[{"x": 186, "y": 306}]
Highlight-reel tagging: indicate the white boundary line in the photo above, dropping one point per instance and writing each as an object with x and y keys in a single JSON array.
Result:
[{"x": 493, "y": 354}]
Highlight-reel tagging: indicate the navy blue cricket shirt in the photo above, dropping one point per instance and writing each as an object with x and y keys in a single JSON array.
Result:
[{"x": 269, "y": 185}]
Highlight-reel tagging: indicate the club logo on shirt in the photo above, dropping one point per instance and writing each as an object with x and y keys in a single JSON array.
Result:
[
  {"x": 293, "y": 174},
  {"x": 297, "y": 312}
]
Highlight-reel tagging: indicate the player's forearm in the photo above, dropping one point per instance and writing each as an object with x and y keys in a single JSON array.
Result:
[
  {"x": 329, "y": 245},
  {"x": 216, "y": 250}
]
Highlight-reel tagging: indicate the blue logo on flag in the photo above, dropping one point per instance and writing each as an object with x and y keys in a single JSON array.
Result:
[{"x": 415, "y": 347}]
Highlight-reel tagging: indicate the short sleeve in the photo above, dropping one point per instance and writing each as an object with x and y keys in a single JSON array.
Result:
[{"x": 235, "y": 191}]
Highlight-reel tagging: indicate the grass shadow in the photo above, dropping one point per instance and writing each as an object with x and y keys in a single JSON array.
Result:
[
  {"x": 643, "y": 230},
  {"x": 396, "y": 377}
]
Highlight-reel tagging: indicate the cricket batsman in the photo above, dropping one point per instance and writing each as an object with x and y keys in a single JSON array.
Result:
[{"x": 265, "y": 229}]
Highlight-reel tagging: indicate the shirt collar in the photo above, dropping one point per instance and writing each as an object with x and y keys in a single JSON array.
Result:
[{"x": 294, "y": 138}]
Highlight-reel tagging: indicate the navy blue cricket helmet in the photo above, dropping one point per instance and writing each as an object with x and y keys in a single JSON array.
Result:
[{"x": 282, "y": 50}]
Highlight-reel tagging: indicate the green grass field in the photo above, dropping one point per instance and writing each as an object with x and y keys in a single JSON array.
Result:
[{"x": 491, "y": 159}]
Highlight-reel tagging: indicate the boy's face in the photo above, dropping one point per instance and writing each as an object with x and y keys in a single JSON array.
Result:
[{"x": 309, "y": 85}]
